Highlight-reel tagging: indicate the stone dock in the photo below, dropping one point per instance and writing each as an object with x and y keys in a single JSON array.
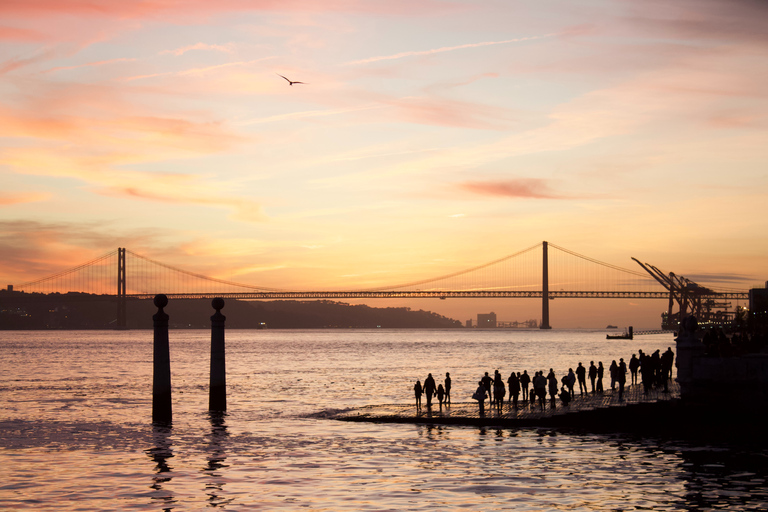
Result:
[{"x": 637, "y": 410}]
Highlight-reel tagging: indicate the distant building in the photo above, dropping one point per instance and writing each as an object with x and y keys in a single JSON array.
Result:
[
  {"x": 469, "y": 323},
  {"x": 486, "y": 320}
]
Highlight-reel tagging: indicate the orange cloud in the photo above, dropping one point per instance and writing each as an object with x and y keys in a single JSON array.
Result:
[{"x": 7, "y": 199}]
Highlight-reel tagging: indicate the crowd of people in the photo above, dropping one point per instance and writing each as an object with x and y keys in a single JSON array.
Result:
[{"x": 652, "y": 370}]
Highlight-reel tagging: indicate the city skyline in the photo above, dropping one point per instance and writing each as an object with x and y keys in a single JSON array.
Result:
[{"x": 425, "y": 139}]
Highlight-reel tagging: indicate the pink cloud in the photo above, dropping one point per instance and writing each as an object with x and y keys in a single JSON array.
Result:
[
  {"x": 519, "y": 188},
  {"x": 139, "y": 9},
  {"x": 20, "y": 34}
]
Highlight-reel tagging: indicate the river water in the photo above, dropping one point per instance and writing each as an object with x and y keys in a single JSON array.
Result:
[{"x": 76, "y": 431}]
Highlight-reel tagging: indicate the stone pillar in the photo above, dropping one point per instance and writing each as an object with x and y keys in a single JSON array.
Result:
[
  {"x": 217, "y": 400},
  {"x": 161, "y": 380}
]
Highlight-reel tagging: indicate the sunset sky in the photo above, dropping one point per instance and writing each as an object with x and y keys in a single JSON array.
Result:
[{"x": 428, "y": 137}]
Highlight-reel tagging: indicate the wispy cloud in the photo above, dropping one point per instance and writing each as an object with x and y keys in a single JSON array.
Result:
[
  {"x": 227, "y": 48},
  {"x": 308, "y": 113},
  {"x": 89, "y": 64},
  {"x": 196, "y": 71},
  {"x": 443, "y": 49}
]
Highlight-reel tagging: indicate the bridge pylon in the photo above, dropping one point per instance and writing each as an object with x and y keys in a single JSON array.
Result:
[
  {"x": 545, "y": 289},
  {"x": 121, "y": 292}
]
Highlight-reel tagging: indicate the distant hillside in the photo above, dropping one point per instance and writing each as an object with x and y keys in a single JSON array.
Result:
[{"x": 80, "y": 311}]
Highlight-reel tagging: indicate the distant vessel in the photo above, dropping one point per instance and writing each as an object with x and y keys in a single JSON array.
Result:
[
  {"x": 627, "y": 335},
  {"x": 611, "y": 327}
]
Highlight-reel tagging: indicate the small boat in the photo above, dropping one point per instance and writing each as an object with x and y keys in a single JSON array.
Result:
[
  {"x": 627, "y": 335},
  {"x": 611, "y": 327}
]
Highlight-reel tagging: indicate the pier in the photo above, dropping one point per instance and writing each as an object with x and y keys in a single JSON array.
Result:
[{"x": 599, "y": 410}]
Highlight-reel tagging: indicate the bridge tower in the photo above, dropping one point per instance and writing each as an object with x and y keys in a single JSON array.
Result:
[
  {"x": 121, "y": 294},
  {"x": 545, "y": 289}
]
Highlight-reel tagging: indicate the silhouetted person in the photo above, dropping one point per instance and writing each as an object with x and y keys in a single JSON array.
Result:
[
  {"x": 646, "y": 371},
  {"x": 488, "y": 384},
  {"x": 613, "y": 369},
  {"x": 552, "y": 381},
  {"x": 440, "y": 394},
  {"x": 513, "y": 382},
  {"x": 540, "y": 388},
  {"x": 429, "y": 389},
  {"x": 592, "y": 375},
  {"x": 667, "y": 362},
  {"x": 525, "y": 380},
  {"x": 480, "y": 396},
  {"x": 621, "y": 377},
  {"x": 418, "y": 391},
  {"x": 565, "y": 396},
  {"x": 496, "y": 381},
  {"x": 447, "y": 388},
  {"x": 571, "y": 380},
  {"x": 656, "y": 363},
  {"x": 498, "y": 392},
  {"x": 600, "y": 373},
  {"x": 634, "y": 364},
  {"x": 581, "y": 374}
]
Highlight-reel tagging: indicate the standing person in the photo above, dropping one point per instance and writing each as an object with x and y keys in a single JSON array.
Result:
[
  {"x": 440, "y": 395},
  {"x": 621, "y": 377},
  {"x": 498, "y": 392},
  {"x": 667, "y": 362},
  {"x": 552, "y": 380},
  {"x": 496, "y": 381},
  {"x": 645, "y": 371},
  {"x": 513, "y": 382},
  {"x": 592, "y": 375},
  {"x": 525, "y": 380},
  {"x": 540, "y": 388},
  {"x": 480, "y": 397},
  {"x": 600, "y": 373},
  {"x": 429, "y": 389},
  {"x": 581, "y": 373},
  {"x": 571, "y": 380},
  {"x": 447, "y": 388},
  {"x": 613, "y": 371},
  {"x": 488, "y": 384},
  {"x": 417, "y": 390},
  {"x": 634, "y": 364}
]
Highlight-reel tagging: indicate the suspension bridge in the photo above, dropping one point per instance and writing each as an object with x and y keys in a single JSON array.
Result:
[{"x": 544, "y": 271}]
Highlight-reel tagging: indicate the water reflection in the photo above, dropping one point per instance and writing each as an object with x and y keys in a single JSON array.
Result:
[
  {"x": 160, "y": 453},
  {"x": 217, "y": 455}
]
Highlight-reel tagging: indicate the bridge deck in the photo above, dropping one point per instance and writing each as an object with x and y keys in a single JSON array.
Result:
[{"x": 584, "y": 411}]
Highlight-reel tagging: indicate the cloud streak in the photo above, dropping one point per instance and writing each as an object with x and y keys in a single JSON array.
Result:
[
  {"x": 518, "y": 189},
  {"x": 444, "y": 49},
  {"x": 228, "y": 48}
]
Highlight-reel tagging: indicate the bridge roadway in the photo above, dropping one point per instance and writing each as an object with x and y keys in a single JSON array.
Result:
[{"x": 437, "y": 294}]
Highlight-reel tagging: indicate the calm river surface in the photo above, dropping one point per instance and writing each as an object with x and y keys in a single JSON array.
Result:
[{"x": 76, "y": 431}]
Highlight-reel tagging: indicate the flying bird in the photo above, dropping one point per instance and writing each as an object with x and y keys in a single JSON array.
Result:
[{"x": 290, "y": 82}]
